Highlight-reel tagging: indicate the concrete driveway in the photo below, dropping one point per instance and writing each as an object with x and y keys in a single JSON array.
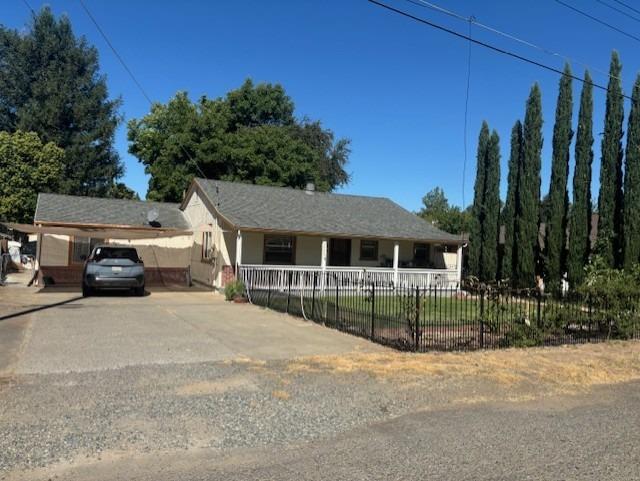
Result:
[{"x": 68, "y": 333}]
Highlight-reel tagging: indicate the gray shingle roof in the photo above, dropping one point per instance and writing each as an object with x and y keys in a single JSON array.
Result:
[
  {"x": 249, "y": 206},
  {"x": 92, "y": 210}
]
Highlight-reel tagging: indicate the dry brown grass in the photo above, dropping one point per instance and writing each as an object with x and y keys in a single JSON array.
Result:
[{"x": 566, "y": 366}]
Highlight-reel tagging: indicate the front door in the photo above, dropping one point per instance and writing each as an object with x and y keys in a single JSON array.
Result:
[{"x": 340, "y": 252}]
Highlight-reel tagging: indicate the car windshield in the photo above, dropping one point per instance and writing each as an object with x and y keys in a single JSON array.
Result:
[{"x": 115, "y": 253}]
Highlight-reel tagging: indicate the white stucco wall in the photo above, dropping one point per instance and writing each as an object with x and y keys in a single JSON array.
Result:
[
  {"x": 308, "y": 250},
  {"x": 252, "y": 247},
  {"x": 205, "y": 271}
]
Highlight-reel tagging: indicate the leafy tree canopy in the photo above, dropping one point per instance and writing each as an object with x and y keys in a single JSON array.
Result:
[
  {"x": 50, "y": 84},
  {"x": 120, "y": 191},
  {"x": 449, "y": 218},
  {"x": 27, "y": 166},
  {"x": 250, "y": 135}
]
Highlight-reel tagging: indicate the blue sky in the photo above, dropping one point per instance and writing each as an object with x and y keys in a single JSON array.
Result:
[{"x": 394, "y": 87}]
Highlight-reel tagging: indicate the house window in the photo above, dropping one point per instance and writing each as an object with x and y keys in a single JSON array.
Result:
[
  {"x": 207, "y": 245},
  {"x": 278, "y": 249},
  {"x": 368, "y": 250},
  {"x": 81, "y": 247},
  {"x": 421, "y": 255}
]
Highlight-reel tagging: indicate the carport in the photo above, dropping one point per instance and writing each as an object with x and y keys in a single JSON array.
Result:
[
  {"x": 147, "y": 240},
  {"x": 68, "y": 227}
]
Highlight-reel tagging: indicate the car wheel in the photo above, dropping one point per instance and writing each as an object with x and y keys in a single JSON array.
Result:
[
  {"x": 86, "y": 290},
  {"x": 140, "y": 291}
]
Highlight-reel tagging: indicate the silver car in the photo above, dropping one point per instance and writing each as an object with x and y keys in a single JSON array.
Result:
[{"x": 113, "y": 267}]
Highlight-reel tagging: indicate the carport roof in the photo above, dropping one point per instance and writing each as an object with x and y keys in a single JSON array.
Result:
[
  {"x": 94, "y": 211},
  {"x": 283, "y": 209}
]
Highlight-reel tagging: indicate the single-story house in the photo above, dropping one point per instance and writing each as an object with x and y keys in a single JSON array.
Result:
[{"x": 224, "y": 229}]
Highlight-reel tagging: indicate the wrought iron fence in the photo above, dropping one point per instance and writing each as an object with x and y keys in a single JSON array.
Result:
[{"x": 440, "y": 318}]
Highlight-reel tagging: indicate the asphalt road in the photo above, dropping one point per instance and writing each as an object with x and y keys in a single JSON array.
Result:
[{"x": 593, "y": 437}]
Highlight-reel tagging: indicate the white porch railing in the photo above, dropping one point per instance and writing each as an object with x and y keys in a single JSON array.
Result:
[{"x": 259, "y": 276}]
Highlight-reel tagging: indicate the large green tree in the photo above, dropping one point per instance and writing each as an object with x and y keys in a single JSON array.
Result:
[
  {"x": 631, "y": 221},
  {"x": 27, "y": 166},
  {"x": 558, "y": 202},
  {"x": 491, "y": 217},
  {"x": 610, "y": 196},
  {"x": 50, "y": 84},
  {"x": 449, "y": 218},
  {"x": 477, "y": 210},
  {"x": 250, "y": 135},
  {"x": 580, "y": 212},
  {"x": 508, "y": 212},
  {"x": 528, "y": 203}
]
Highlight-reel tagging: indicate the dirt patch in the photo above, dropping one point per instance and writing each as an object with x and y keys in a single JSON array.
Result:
[
  {"x": 564, "y": 368},
  {"x": 203, "y": 388},
  {"x": 280, "y": 394}
]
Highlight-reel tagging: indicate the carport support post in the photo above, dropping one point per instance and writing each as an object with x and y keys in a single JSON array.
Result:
[{"x": 396, "y": 255}]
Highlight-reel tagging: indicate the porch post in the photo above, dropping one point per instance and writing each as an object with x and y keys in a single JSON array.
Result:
[
  {"x": 323, "y": 254},
  {"x": 238, "y": 250},
  {"x": 396, "y": 256},
  {"x": 459, "y": 265},
  {"x": 323, "y": 262}
]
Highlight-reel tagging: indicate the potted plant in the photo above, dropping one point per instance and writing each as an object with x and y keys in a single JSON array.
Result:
[{"x": 235, "y": 291}]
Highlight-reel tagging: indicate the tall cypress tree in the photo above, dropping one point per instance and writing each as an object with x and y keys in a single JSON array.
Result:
[
  {"x": 477, "y": 217},
  {"x": 528, "y": 204},
  {"x": 556, "y": 222},
  {"x": 631, "y": 221},
  {"x": 580, "y": 214},
  {"x": 508, "y": 213},
  {"x": 491, "y": 219},
  {"x": 610, "y": 196}
]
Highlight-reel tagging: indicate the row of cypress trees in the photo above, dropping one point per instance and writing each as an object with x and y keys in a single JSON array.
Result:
[{"x": 567, "y": 244}]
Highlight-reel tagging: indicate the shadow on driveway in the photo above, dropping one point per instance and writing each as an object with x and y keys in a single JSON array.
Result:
[{"x": 39, "y": 308}]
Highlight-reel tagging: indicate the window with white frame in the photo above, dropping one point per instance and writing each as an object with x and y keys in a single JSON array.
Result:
[{"x": 207, "y": 245}]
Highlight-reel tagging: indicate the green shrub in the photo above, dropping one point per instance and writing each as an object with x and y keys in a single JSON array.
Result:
[
  {"x": 522, "y": 335},
  {"x": 234, "y": 289},
  {"x": 614, "y": 299}
]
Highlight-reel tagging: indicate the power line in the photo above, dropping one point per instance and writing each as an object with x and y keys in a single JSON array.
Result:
[
  {"x": 133, "y": 77},
  {"x": 33, "y": 12},
  {"x": 619, "y": 10},
  {"x": 487, "y": 45},
  {"x": 466, "y": 119},
  {"x": 627, "y": 6},
  {"x": 115, "y": 52},
  {"x": 601, "y": 22},
  {"x": 458, "y": 16}
]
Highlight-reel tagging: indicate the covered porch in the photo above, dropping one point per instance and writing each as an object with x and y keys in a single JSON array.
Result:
[{"x": 289, "y": 260}]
